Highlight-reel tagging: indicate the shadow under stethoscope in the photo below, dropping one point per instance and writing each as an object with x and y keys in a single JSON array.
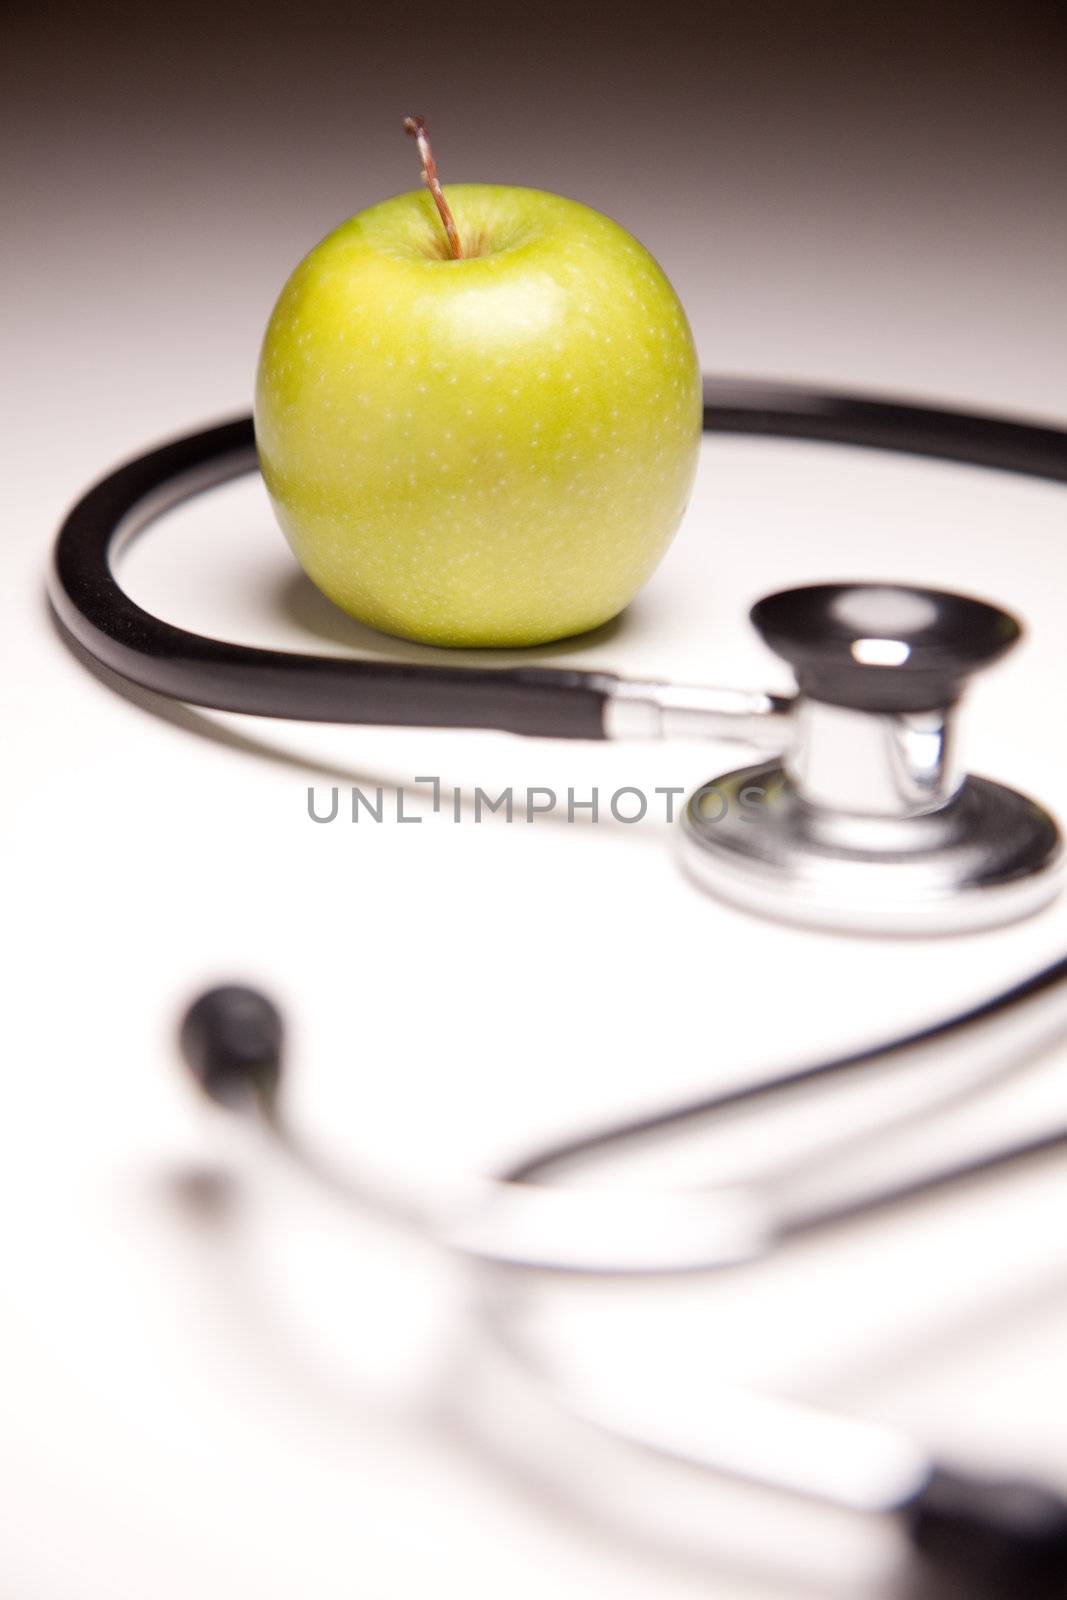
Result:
[{"x": 312, "y": 612}]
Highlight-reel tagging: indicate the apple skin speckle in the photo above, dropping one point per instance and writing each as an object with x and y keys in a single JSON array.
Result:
[{"x": 495, "y": 450}]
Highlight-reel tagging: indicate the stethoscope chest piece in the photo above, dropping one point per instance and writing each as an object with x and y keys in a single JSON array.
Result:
[{"x": 865, "y": 822}]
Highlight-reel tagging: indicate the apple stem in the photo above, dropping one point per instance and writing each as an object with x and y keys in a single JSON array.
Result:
[{"x": 416, "y": 126}]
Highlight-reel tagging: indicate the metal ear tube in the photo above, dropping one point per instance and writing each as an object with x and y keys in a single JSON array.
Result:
[{"x": 1002, "y": 1539}]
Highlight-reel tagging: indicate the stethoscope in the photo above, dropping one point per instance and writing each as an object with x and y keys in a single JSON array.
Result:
[{"x": 857, "y": 817}]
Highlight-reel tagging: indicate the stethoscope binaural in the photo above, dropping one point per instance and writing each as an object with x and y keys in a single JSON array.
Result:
[
  {"x": 857, "y": 818},
  {"x": 1001, "y": 1539}
]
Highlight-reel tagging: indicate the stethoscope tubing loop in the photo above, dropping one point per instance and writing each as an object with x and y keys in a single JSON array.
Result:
[{"x": 94, "y": 609}]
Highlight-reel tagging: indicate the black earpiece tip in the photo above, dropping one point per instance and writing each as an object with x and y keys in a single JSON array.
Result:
[
  {"x": 1005, "y": 1540},
  {"x": 231, "y": 1038}
]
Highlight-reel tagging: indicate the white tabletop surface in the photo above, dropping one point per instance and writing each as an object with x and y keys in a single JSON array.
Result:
[{"x": 212, "y": 1382}]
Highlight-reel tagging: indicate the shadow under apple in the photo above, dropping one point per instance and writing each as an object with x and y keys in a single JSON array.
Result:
[{"x": 296, "y": 599}]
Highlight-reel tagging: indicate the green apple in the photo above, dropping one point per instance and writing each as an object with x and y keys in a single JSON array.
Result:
[{"x": 490, "y": 450}]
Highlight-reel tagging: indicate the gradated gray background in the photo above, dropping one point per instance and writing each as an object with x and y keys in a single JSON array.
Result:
[
  {"x": 823, "y": 181},
  {"x": 244, "y": 1399}
]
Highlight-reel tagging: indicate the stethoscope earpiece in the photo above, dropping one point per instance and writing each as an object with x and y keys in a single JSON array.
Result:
[
  {"x": 1002, "y": 1538},
  {"x": 231, "y": 1041}
]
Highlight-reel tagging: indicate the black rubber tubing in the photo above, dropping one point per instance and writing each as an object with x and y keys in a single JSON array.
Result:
[{"x": 553, "y": 702}]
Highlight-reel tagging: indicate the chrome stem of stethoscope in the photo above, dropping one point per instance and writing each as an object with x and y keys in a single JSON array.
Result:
[
  {"x": 639, "y": 709},
  {"x": 862, "y": 817}
]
